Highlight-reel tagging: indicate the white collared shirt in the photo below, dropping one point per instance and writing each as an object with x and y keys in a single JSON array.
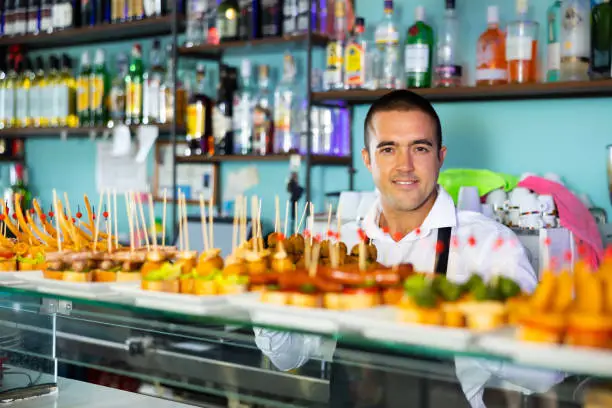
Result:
[{"x": 486, "y": 257}]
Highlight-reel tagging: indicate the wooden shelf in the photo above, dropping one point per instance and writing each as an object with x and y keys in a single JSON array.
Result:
[
  {"x": 316, "y": 160},
  {"x": 555, "y": 90},
  {"x": 68, "y": 131},
  {"x": 127, "y": 31},
  {"x": 211, "y": 51},
  {"x": 11, "y": 159}
]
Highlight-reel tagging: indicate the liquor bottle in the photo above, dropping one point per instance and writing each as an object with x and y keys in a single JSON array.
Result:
[
  {"x": 22, "y": 100},
  {"x": 199, "y": 118},
  {"x": 576, "y": 39},
  {"x": 119, "y": 11},
  {"x": 153, "y": 8},
  {"x": 84, "y": 91},
  {"x": 20, "y": 17},
  {"x": 88, "y": 12},
  {"x": 168, "y": 109},
  {"x": 3, "y": 73},
  {"x": 33, "y": 17},
  {"x": 116, "y": 100},
  {"x": 19, "y": 186},
  {"x": 306, "y": 11},
  {"x": 290, "y": 15},
  {"x": 152, "y": 81},
  {"x": 263, "y": 130},
  {"x": 65, "y": 14},
  {"x": 355, "y": 57},
  {"x": 98, "y": 88},
  {"x": 194, "y": 31},
  {"x": 387, "y": 41},
  {"x": 53, "y": 83},
  {"x": 9, "y": 93},
  {"x": 335, "y": 51},
  {"x": 491, "y": 66},
  {"x": 36, "y": 94},
  {"x": 285, "y": 138},
  {"x": 223, "y": 127},
  {"x": 133, "y": 88},
  {"x": 418, "y": 52},
  {"x": 522, "y": 46},
  {"x": 249, "y": 21},
  {"x": 553, "y": 26},
  {"x": 209, "y": 22},
  {"x": 601, "y": 34},
  {"x": 243, "y": 111},
  {"x": 9, "y": 18},
  {"x": 65, "y": 96},
  {"x": 448, "y": 70},
  {"x": 46, "y": 16},
  {"x": 271, "y": 18},
  {"x": 135, "y": 9},
  {"x": 227, "y": 20}
]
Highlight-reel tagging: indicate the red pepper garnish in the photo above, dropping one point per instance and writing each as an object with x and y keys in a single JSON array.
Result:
[
  {"x": 306, "y": 234},
  {"x": 79, "y": 214},
  {"x": 439, "y": 247},
  {"x": 93, "y": 216},
  {"x": 317, "y": 238},
  {"x": 51, "y": 214},
  {"x": 471, "y": 241},
  {"x": 280, "y": 237},
  {"x": 43, "y": 217},
  {"x": 105, "y": 214},
  {"x": 2, "y": 217},
  {"x": 31, "y": 211},
  {"x": 14, "y": 216},
  {"x": 330, "y": 233},
  {"x": 73, "y": 220}
]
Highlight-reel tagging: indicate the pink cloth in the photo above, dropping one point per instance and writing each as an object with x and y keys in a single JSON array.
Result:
[{"x": 573, "y": 215}]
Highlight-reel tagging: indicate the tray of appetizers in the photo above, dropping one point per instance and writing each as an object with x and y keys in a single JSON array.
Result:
[{"x": 566, "y": 324}]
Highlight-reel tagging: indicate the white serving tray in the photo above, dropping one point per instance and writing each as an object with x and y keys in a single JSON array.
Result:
[
  {"x": 572, "y": 359},
  {"x": 193, "y": 304},
  {"x": 77, "y": 289},
  {"x": 318, "y": 320},
  {"x": 380, "y": 323}
]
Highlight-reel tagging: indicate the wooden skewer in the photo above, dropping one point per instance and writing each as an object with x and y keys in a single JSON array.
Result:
[
  {"x": 295, "y": 219},
  {"x": 57, "y": 215},
  {"x": 254, "y": 222},
  {"x": 152, "y": 220},
  {"x": 116, "y": 215},
  {"x": 71, "y": 226},
  {"x": 143, "y": 220},
  {"x": 286, "y": 217},
  {"x": 97, "y": 228},
  {"x": 362, "y": 255},
  {"x": 338, "y": 227},
  {"x": 306, "y": 206},
  {"x": 312, "y": 270},
  {"x": 211, "y": 236},
  {"x": 245, "y": 214},
  {"x": 185, "y": 227},
  {"x": 276, "y": 214},
  {"x": 164, "y": 217},
  {"x": 259, "y": 230},
  {"x": 109, "y": 242},
  {"x": 311, "y": 222},
  {"x": 128, "y": 211},
  {"x": 180, "y": 221},
  {"x": 203, "y": 222},
  {"x": 134, "y": 215}
]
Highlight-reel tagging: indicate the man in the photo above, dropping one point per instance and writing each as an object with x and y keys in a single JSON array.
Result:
[{"x": 404, "y": 153}]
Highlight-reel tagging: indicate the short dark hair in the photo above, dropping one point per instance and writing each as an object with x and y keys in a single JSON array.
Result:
[{"x": 401, "y": 100}]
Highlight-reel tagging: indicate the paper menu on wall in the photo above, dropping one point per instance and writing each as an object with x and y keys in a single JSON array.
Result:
[
  {"x": 192, "y": 179},
  {"x": 119, "y": 173}
]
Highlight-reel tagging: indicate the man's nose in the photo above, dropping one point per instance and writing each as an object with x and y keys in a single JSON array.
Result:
[{"x": 404, "y": 160}]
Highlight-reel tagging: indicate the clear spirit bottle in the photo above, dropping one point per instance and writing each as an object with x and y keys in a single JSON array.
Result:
[
  {"x": 335, "y": 50},
  {"x": 576, "y": 40},
  {"x": 553, "y": 34},
  {"x": 243, "y": 111},
  {"x": 284, "y": 102},
  {"x": 448, "y": 70},
  {"x": 387, "y": 41},
  {"x": 262, "y": 115}
]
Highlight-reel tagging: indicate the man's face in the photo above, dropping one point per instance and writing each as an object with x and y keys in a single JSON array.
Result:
[{"x": 403, "y": 158}]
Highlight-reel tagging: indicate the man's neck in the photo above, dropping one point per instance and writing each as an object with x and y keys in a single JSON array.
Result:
[{"x": 401, "y": 223}]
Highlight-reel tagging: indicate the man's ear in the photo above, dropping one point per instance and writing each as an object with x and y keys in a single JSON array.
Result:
[
  {"x": 442, "y": 155},
  {"x": 365, "y": 155}
]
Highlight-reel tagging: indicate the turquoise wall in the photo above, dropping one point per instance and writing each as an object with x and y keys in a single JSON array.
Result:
[{"x": 567, "y": 137}]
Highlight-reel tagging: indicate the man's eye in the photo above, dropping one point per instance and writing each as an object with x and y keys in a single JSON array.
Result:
[
  {"x": 422, "y": 149},
  {"x": 386, "y": 150}
]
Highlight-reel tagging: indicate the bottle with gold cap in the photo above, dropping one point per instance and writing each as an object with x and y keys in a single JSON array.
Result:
[
  {"x": 133, "y": 88},
  {"x": 263, "y": 142},
  {"x": 199, "y": 118}
]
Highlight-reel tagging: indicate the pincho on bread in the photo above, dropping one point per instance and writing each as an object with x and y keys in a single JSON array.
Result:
[
  {"x": 131, "y": 264},
  {"x": 8, "y": 259},
  {"x": 32, "y": 258},
  {"x": 56, "y": 263},
  {"x": 164, "y": 279},
  {"x": 79, "y": 267}
]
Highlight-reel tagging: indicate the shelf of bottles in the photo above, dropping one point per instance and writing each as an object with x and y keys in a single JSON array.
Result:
[
  {"x": 53, "y": 23},
  {"x": 578, "y": 60},
  {"x": 47, "y": 97},
  {"x": 250, "y": 118}
]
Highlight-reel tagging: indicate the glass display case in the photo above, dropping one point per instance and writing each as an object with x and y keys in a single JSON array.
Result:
[{"x": 207, "y": 356}]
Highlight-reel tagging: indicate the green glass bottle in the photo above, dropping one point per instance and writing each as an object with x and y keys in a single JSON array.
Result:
[
  {"x": 83, "y": 92},
  {"x": 601, "y": 40},
  {"x": 133, "y": 88},
  {"x": 418, "y": 52},
  {"x": 98, "y": 86}
]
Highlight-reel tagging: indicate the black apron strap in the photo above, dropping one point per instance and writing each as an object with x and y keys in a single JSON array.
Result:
[{"x": 442, "y": 250}]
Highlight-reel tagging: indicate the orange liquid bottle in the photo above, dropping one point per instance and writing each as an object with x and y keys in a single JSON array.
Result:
[
  {"x": 491, "y": 66},
  {"x": 522, "y": 47}
]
